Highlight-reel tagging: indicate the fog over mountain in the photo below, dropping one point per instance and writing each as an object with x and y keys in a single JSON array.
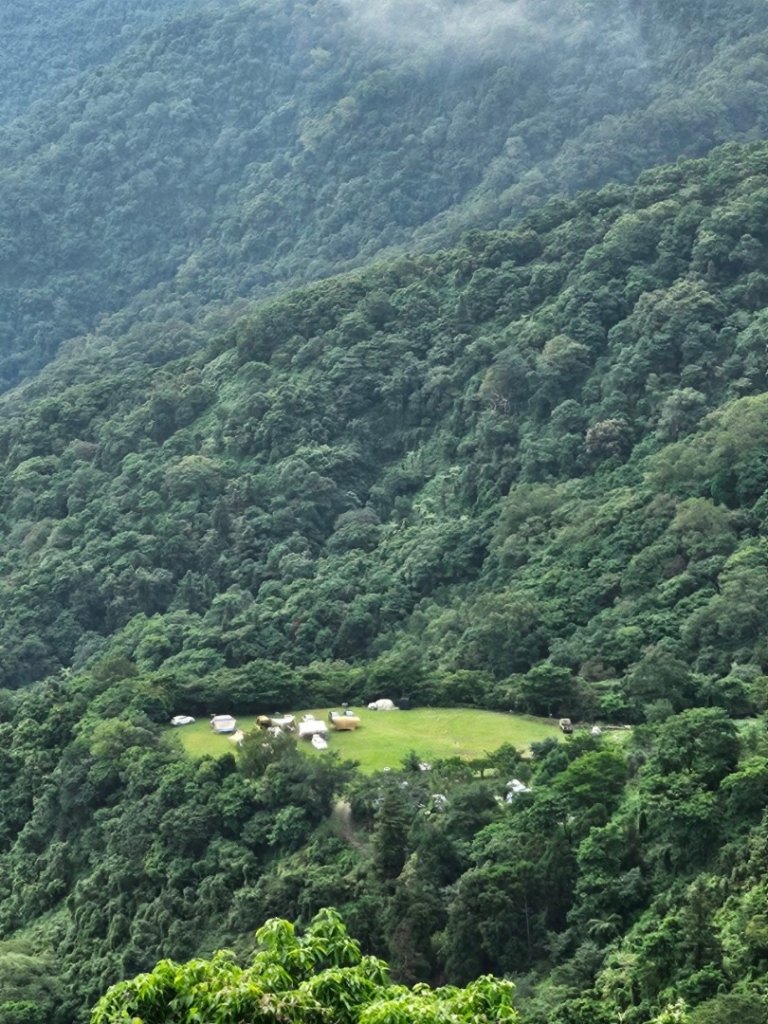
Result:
[{"x": 464, "y": 29}]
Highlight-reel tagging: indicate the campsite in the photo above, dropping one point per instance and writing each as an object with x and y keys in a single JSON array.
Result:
[{"x": 386, "y": 737}]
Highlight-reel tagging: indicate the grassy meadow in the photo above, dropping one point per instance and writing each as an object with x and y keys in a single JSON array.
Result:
[{"x": 386, "y": 737}]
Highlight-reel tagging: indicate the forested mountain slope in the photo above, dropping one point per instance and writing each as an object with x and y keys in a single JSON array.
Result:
[
  {"x": 47, "y": 43},
  {"x": 538, "y": 455},
  {"x": 527, "y": 472},
  {"x": 242, "y": 147}
]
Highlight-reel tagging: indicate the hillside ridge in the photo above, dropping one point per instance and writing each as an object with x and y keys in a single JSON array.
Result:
[{"x": 239, "y": 150}]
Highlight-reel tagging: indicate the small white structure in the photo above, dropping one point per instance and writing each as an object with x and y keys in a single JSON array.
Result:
[
  {"x": 385, "y": 704},
  {"x": 182, "y": 720},
  {"x": 223, "y": 723},
  {"x": 319, "y": 742},
  {"x": 310, "y": 726},
  {"x": 596, "y": 730},
  {"x": 514, "y": 788},
  {"x": 284, "y": 722}
]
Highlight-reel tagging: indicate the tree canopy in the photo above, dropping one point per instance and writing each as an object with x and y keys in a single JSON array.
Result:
[
  {"x": 188, "y": 155},
  {"x": 309, "y": 979}
]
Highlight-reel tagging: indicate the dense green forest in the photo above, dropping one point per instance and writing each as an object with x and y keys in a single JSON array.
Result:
[
  {"x": 54, "y": 42},
  {"x": 527, "y": 472},
  {"x": 233, "y": 149},
  {"x": 629, "y": 878},
  {"x": 323, "y": 378},
  {"x": 306, "y": 979}
]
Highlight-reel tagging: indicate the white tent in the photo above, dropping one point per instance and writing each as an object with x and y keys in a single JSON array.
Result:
[
  {"x": 223, "y": 723},
  {"x": 312, "y": 727},
  {"x": 514, "y": 788}
]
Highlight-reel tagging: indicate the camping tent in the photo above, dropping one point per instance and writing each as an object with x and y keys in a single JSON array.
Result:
[
  {"x": 223, "y": 723},
  {"x": 310, "y": 727},
  {"x": 382, "y": 705}
]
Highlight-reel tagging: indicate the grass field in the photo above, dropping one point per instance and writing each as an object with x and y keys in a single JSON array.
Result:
[{"x": 386, "y": 737}]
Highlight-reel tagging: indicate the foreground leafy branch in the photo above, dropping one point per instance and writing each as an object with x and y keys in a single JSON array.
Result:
[{"x": 313, "y": 979}]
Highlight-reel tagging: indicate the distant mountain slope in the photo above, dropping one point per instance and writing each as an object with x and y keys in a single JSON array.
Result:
[
  {"x": 512, "y": 472},
  {"x": 46, "y": 42},
  {"x": 244, "y": 147},
  {"x": 54, "y": 42}
]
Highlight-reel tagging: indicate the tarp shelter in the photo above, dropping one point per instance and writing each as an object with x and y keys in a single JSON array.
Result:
[
  {"x": 516, "y": 786},
  {"x": 310, "y": 727}
]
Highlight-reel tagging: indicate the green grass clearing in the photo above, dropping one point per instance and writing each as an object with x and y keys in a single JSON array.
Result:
[{"x": 386, "y": 737}]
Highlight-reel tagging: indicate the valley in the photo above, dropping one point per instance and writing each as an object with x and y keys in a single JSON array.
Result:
[{"x": 352, "y": 350}]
